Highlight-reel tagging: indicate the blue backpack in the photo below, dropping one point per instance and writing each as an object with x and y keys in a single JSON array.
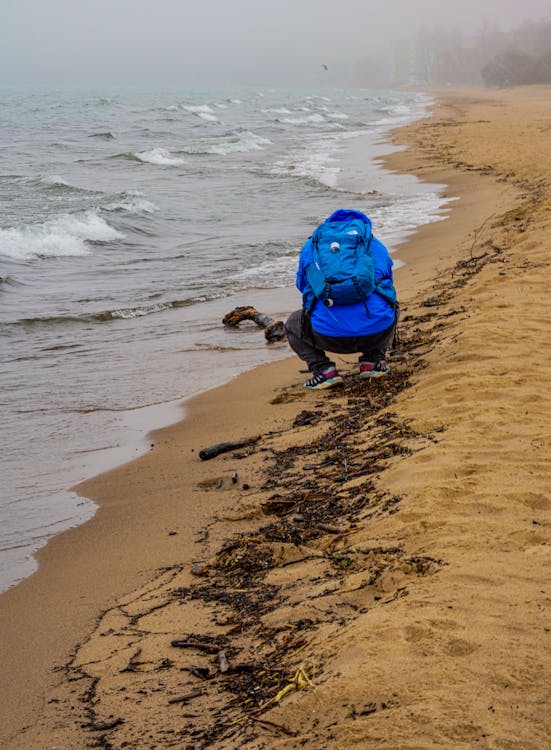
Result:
[{"x": 343, "y": 270}]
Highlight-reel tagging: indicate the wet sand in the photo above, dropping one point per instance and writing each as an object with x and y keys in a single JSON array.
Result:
[{"x": 383, "y": 556}]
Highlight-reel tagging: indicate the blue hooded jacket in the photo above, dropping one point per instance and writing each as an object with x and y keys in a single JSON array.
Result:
[{"x": 360, "y": 318}]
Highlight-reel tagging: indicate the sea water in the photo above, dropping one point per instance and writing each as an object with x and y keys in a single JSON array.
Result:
[{"x": 131, "y": 221}]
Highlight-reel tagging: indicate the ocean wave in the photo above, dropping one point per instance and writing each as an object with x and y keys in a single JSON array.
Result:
[
  {"x": 104, "y": 316},
  {"x": 63, "y": 235},
  {"x": 203, "y": 111},
  {"x": 128, "y": 313},
  {"x": 277, "y": 111},
  {"x": 106, "y": 136},
  {"x": 159, "y": 156},
  {"x": 399, "y": 112},
  {"x": 315, "y": 163},
  {"x": 247, "y": 141},
  {"x": 395, "y": 108},
  {"x": 54, "y": 181},
  {"x": 316, "y": 119},
  {"x": 133, "y": 202},
  {"x": 270, "y": 274},
  {"x": 404, "y": 214},
  {"x": 206, "y": 116},
  {"x": 57, "y": 185},
  {"x": 10, "y": 281},
  {"x": 198, "y": 108}
]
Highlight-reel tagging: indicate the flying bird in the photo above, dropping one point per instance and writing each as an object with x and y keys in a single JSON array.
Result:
[{"x": 324, "y": 67}]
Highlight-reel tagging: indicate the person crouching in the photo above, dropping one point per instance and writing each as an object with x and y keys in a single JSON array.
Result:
[{"x": 349, "y": 300}]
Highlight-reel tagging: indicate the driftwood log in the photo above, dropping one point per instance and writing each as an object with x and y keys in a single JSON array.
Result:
[
  {"x": 274, "y": 330},
  {"x": 214, "y": 450}
]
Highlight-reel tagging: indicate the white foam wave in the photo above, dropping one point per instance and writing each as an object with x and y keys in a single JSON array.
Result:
[
  {"x": 206, "y": 116},
  {"x": 132, "y": 202},
  {"x": 278, "y": 272},
  {"x": 398, "y": 113},
  {"x": 337, "y": 115},
  {"x": 319, "y": 167},
  {"x": 303, "y": 120},
  {"x": 247, "y": 141},
  {"x": 198, "y": 108},
  {"x": 159, "y": 156},
  {"x": 316, "y": 162},
  {"x": 277, "y": 111},
  {"x": 401, "y": 216},
  {"x": 57, "y": 183},
  {"x": 64, "y": 235},
  {"x": 129, "y": 313},
  {"x": 203, "y": 111},
  {"x": 54, "y": 180},
  {"x": 395, "y": 109}
]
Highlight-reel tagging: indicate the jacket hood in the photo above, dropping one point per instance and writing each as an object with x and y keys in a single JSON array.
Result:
[{"x": 347, "y": 214}]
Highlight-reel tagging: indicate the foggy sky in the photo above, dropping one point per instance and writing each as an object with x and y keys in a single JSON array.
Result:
[{"x": 187, "y": 42}]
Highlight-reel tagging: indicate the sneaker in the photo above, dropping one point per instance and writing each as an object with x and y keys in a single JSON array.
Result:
[
  {"x": 373, "y": 369},
  {"x": 320, "y": 380}
]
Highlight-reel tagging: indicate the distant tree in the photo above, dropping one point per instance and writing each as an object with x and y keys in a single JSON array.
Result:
[
  {"x": 444, "y": 55},
  {"x": 514, "y": 68}
]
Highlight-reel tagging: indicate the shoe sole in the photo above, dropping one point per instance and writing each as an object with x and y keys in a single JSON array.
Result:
[
  {"x": 327, "y": 384},
  {"x": 373, "y": 374}
]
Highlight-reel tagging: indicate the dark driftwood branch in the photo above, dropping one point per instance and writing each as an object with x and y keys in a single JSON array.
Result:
[
  {"x": 105, "y": 726},
  {"x": 186, "y": 698},
  {"x": 279, "y": 727},
  {"x": 274, "y": 330},
  {"x": 132, "y": 662},
  {"x": 214, "y": 450}
]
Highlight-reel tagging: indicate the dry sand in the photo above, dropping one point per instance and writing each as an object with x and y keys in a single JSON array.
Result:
[{"x": 384, "y": 552}]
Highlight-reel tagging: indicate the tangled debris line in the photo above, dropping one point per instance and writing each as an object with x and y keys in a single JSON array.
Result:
[
  {"x": 313, "y": 498},
  {"x": 309, "y": 515}
]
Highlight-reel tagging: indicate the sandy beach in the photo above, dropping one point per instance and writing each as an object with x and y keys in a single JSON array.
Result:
[{"x": 373, "y": 569}]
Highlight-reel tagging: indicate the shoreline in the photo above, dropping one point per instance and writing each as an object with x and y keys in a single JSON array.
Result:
[
  {"x": 122, "y": 434},
  {"x": 227, "y": 411},
  {"x": 135, "y": 425}
]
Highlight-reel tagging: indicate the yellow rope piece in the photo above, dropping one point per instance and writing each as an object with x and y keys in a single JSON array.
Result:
[{"x": 300, "y": 681}]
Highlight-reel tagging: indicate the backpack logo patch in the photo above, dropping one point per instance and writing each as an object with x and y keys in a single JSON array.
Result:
[{"x": 343, "y": 269}]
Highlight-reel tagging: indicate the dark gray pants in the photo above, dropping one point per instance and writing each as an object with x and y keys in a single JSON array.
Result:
[{"x": 310, "y": 346}]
